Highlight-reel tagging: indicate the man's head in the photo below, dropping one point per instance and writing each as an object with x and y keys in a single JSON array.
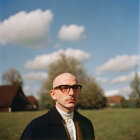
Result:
[{"x": 65, "y": 91}]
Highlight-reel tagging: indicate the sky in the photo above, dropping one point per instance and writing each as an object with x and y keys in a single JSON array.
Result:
[{"x": 102, "y": 34}]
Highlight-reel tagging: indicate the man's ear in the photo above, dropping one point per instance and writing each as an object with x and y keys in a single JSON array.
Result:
[{"x": 53, "y": 95}]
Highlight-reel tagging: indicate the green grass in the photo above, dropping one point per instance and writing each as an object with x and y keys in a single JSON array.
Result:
[{"x": 109, "y": 124}]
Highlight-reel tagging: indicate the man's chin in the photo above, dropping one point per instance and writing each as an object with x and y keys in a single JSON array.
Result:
[{"x": 71, "y": 105}]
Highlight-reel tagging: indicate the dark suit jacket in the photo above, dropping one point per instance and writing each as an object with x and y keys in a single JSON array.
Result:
[{"x": 50, "y": 126}]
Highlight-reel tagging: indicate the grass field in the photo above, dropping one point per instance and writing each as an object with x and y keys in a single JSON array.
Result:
[{"x": 109, "y": 124}]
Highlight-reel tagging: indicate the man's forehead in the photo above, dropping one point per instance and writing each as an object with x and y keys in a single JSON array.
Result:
[{"x": 65, "y": 78}]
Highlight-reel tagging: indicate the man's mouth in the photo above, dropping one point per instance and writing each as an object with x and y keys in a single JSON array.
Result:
[{"x": 71, "y": 100}]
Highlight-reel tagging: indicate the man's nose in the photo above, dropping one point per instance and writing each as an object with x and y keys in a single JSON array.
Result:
[{"x": 71, "y": 92}]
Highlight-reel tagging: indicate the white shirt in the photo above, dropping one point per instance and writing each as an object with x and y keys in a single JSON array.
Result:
[{"x": 68, "y": 118}]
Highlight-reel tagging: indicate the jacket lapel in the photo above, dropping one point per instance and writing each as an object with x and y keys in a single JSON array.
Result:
[
  {"x": 57, "y": 126},
  {"x": 78, "y": 131},
  {"x": 77, "y": 126}
]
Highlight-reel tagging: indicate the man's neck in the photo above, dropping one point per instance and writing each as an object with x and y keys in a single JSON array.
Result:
[
  {"x": 64, "y": 114},
  {"x": 66, "y": 110}
]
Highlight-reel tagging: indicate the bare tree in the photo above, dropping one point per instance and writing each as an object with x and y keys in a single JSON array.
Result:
[{"x": 12, "y": 77}]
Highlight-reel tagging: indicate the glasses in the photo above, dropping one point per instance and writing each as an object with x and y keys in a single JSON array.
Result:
[{"x": 66, "y": 88}]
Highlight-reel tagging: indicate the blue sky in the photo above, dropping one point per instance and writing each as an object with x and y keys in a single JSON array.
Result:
[{"x": 101, "y": 34}]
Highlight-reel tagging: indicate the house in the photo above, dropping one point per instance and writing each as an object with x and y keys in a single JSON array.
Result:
[
  {"x": 114, "y": 100},
  {"x": 33, "y": 103},
  {"x": 12, "y": 98}
]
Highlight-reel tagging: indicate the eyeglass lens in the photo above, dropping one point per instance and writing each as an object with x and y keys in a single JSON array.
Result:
[{"x": 66, "y": 88}]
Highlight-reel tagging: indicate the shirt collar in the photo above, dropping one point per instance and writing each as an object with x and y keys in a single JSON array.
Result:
[{"x": 64, "y": 114}]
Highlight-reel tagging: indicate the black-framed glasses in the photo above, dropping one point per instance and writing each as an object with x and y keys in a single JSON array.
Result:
[{"x": 66, "y": 88}]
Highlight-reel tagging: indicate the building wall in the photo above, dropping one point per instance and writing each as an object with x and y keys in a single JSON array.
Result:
[{"x": 5, "y": 109}]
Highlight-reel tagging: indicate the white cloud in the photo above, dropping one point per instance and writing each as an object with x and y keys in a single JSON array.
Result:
[
  {"x": 102, "y": 80},
  {"x": 124, "y": 78},
  {"x": 26, "y": 29},
  {"x": 71, "y": 33},
  {"x": 112, "y": 92},
  {"x": 35, "y": 76},
  {"x": 79, "y": 55},
  {"x": 125, "y": 91},
  {"x": 119, "y": 64},
  {"x": 43, "y": 61}
]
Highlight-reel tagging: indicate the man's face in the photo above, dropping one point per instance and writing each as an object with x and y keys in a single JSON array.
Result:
[{"x": 65, "y": 100}]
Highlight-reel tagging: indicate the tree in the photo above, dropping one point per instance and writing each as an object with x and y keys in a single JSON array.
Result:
[
  {"x": 12, "y": 77},
  {"x": 92, "y": 93},
  {"x": 135, "y": 86},
  {"x": 124, "y": 103}
]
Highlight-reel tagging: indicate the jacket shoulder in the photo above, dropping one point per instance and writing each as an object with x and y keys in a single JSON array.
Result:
[
  {"x": 34, "y": 126},
  {"x": 45, "y": 118},
  {"x": 40, "y": 126}
]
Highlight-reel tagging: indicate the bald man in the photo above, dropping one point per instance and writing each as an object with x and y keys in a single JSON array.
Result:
[{"x": 62, "y": 122}]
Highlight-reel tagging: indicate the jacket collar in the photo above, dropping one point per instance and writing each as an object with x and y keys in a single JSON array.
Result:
[{"x": 55, "y": 117}]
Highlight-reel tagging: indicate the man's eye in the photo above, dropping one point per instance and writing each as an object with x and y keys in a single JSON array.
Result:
[
  {"x": 74, "y": 88},
  {"x": 64, "y": 87}
]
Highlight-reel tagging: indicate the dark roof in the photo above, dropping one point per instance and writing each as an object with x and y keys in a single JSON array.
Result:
[
  {"x": 7, "y": 94},
  {"x": 32, "y": 100}
]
